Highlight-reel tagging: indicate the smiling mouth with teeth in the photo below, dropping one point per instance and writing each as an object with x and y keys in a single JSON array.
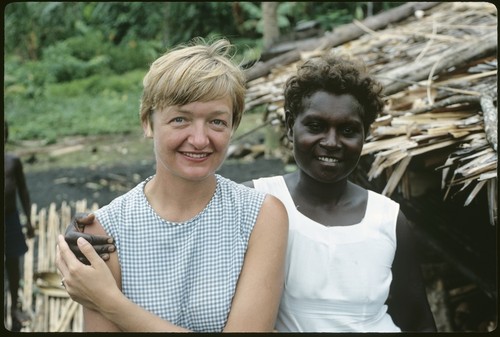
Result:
[
  {"x": 196, "y": 155},
  {"x": 328, "y": 159}
]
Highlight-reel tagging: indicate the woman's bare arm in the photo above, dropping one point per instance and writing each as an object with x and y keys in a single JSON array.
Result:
[
  {"x": 97, "y": 288},
  {"x": 408, "y": 305},
  {"x": 258, "y": 293},
  {"x": 89, "y": 280}
]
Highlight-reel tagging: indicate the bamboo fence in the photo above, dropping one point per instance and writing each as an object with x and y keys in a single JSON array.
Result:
[{"x": 49, "y": 305}]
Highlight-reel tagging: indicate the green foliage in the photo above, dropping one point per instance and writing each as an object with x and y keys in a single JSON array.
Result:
[
  {"x": 76, "y": 68},
  {"x": 253, "y": 18},
  {"x": 91, "y": 106},
  {"x": 122, "y": 22},
  {"x": 134, "y": 55},
  {"x": 87, "y": 55},
  {"x": 64, "y": 66},
  {"x": 330, "y": 14},
  {"x": 185, "y": 20},
  {"x": 27, "y": 80},
  {"x": 253, "y": 15},
  {"x": 87, "y": 45},
  {"x": 330, "y": 19},
  {"x": 74, "y": 59},
  {"x": 130, "y": 82},
  {"x": 32, "y": 26}
]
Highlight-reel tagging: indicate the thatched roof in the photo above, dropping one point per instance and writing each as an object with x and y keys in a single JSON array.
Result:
[{"x": 439, "y": 69}]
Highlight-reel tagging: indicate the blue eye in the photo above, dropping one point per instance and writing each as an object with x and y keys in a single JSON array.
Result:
[
  {"x": 178, "y": 119},
  {"x": 219, "y": 122}
]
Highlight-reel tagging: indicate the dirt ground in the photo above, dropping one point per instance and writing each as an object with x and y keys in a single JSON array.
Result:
[{"x": 102, "y": 184}]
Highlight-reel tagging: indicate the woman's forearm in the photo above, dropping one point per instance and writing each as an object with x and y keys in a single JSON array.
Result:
[{"x": 130, "y": 317}]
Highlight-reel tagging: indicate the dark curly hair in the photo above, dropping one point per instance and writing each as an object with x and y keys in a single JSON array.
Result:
[{"x": 336, "y": 75}]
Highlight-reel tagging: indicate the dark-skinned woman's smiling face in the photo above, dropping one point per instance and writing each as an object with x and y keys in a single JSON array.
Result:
[{"x": 328, "y": 136}]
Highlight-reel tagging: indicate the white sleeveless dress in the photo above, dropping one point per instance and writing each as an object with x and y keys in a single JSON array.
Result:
[{"x": 337, "y": 278}]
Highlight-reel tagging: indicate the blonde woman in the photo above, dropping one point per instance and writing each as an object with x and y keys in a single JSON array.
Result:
[{"x": 196, "y": 251}]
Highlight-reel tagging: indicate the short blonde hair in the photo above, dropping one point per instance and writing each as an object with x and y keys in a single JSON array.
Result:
[{"x": 197, "y": 71}]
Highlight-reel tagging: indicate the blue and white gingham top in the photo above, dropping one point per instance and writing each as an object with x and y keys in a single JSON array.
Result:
[{"x": 185, "y": 272}]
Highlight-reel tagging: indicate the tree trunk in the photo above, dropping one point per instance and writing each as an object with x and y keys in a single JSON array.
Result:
[{"x": 271, "y": 32}]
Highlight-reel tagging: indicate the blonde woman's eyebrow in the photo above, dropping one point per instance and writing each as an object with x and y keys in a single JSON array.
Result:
[{"x": 211, "y": 113}]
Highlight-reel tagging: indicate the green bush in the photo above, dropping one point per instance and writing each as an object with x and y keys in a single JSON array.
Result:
[
  {"x": 99, "y": 85},
  {"x": 135, "y": 54},
  {"x": 88, "y": 46},
  {"x": 27, "y": 80},
  {"x": 65, "y": 63},
  {"x": 91, "y": 106}
]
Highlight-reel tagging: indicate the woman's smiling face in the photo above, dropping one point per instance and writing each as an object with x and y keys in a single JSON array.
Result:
[
  {"x": 191, "y": 140},
  {"x": 327, "y": 136}
]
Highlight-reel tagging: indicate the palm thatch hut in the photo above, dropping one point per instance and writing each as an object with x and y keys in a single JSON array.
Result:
[{"x": 434, "y": 147}]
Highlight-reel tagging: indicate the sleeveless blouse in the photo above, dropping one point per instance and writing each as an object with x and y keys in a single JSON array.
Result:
[
  {"x": 186, "y": 272},
  {"x": 337, "y": 278}
]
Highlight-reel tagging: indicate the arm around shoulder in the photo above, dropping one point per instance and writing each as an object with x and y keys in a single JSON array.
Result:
[
  {"x": 97, "y": 288},
  {"x": 258, "y": 293}
]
